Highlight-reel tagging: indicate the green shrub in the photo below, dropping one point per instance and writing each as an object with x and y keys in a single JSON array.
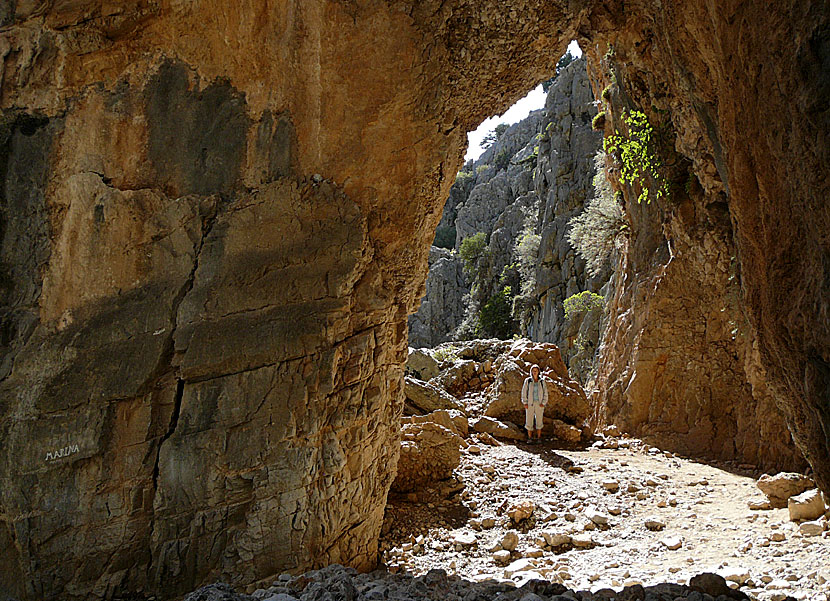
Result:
[
  {"x": 601, "y": 227},
  {"x": 445, "y": 237},
  {"x": 494, "y": 135},
  {"x": 530, "y": 160},
  {"x": 582, "y": 301},
  {"x": 496, "y": 317},
  {"x": 527, "y": 251},
  {"x": 598, "y": 122},
  {"x": 472, "y": 249},
  {"x": 462, "y": 177},
  {"x": 502, "y": 160},
  {"x": 606, "y": 93},
  {"x": 482, "y": 168},
  {"x": 637, "y": 153},
  {"x": 446, "y": 352}
]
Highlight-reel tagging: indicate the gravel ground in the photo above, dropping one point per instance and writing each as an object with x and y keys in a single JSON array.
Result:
[{"x": 602, "y": 518}]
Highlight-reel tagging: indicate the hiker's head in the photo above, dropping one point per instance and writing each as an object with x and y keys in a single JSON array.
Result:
[{"x": 535, "y": 371}]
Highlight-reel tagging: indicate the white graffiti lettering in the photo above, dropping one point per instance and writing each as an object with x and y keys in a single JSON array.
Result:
[{"x": 61, "y": 453}]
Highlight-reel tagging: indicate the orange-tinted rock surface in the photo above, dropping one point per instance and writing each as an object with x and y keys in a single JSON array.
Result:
[{"x": 216, "y": 217}]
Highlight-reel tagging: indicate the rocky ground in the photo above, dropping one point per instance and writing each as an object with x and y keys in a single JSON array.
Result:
[
  {"x": 603, "y": 518},
  {"x": 615, "y": 520},
  {"x": 475, "y": 512}
]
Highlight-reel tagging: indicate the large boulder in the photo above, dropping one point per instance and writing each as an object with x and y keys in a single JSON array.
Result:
[
  {"x": 453, "y": 420},
  {"x": 421, "y": 364},
  {"x": 809, "y": 505},
  {"x": 429, "y": 452},
  {"x": 466, "y": 376},
  {"x": 567, "y": 401},
  {"x": 427, "y": 397},
  {"x": 780, "y": 487}
]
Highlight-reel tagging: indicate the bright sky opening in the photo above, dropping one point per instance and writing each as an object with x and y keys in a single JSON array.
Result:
[{"x": 534, "y": 100}]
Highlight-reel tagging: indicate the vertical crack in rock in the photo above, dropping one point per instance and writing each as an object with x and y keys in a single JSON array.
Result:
[
  {"x": 174, "y": 420},
  {"x": 166, "y": 360}
]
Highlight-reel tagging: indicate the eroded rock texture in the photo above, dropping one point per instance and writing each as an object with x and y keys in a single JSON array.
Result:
[
  {"x": 681, "y": 362},
  {"x": 563, "y": 184},
  {"x": 216, "y": 216}
]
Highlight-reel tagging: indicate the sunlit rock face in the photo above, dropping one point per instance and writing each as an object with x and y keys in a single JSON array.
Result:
[{"x": 216, "y": 218}]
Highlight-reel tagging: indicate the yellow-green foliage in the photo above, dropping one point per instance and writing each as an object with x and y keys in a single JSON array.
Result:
[
  {"x": 636, "y": 151},
  {"x": 471, "y": 250},
  {"x": 582, "y": 301}
]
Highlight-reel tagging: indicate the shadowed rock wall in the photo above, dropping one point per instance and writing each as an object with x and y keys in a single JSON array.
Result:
[
  {"x": 216, "y": 217},
  {"x": 695, "y": 354}
]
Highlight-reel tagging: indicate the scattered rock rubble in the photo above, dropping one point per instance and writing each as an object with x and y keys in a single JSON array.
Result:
[
  {"x": 606, "y": 519},
  {"x": 477, "y": 513}
]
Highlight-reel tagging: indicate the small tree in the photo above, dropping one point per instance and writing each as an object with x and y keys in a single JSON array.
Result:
[
  {"x": 494, "y": 135},
  {"x": 563, "y": 62},
  {"x": 581, "y": 301},
  {"x": 496, "y": 317},
  {"x": 472, "y": 249},
  {"x": 502, "y": 160}
]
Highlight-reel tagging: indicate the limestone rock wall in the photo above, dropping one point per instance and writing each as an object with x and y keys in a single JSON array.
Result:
[
  {"x": 547, "y": 181},
  {"x": 442, "y": 308},
  {"x": 216, "y": 217},
  {"x": 564, "y": 184},
  {"x": 677, "y": 366},
  {"x": 206, "y": 278}
]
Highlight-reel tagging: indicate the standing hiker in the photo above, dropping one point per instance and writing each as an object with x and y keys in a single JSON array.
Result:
[{"x": 534, "y": 399}]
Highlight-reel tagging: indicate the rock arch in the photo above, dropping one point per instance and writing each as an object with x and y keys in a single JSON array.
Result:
[{"x": 216, "y": 218}]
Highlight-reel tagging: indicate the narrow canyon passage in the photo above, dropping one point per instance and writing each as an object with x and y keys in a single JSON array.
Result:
[{"x": 215, "y": 221}]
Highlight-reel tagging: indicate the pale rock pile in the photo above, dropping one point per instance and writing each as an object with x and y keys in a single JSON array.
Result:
[
  {"x": 484, "y": 378},
  {"x": 805, "y": 504},
  {"x": 430, "y": 448},
  {"x": 780, "y": 487},
  {"x": 481, "y": 379},
  {"x": 568, "y": 407}
]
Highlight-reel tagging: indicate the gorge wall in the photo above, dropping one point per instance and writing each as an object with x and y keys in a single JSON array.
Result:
[{"x": 216, "y": 218}]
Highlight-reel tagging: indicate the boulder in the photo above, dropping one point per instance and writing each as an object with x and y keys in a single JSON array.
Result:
[
  {"x": 421, "y": 364},
  {"x": 567, "y": 401},
  {"x": 521, "y": 511},
  {"x": 809, "y": 505},
  {"x": 780, "y": 487},
  {"x": 510, "y": 540},
  {"x": 453, "y": 420},
  {"x": 714, "y": 585},
  {"x": 564, "y": 431},
  {"x": 429, "y": 452},
  {"x": 499, "y": 429},
  {"x": 462, "y": 377},
  {"x": 813, "y": 528},
  {"x": 427, "y": 397}
]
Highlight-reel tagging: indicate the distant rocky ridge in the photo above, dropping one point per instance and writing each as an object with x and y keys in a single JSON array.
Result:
[{"x": 534, "y": 178}]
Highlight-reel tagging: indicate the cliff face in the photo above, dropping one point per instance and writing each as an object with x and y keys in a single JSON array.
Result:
[
  {"x": 681, "y": 364},
  {"x": 215, "y": 219},
  {"x": 492, "y": 195},
  {"x": 563, "y": 183},
  {"x": 442, "y": 307},
  {"x": 543, "y": 179}
]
